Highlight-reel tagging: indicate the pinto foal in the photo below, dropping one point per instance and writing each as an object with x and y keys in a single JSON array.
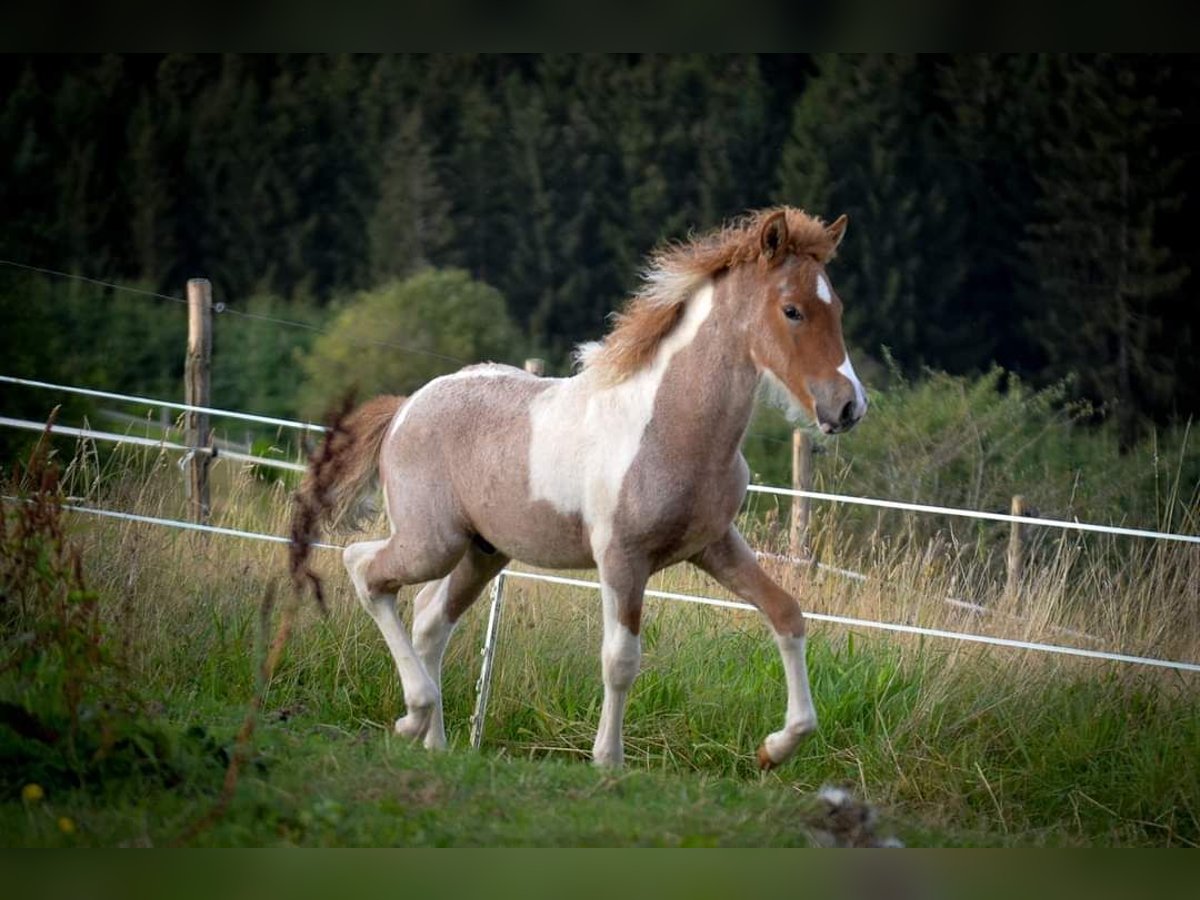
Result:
[{"x": 629, "y": 466}]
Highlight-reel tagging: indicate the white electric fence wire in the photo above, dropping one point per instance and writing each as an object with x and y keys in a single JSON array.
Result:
[
  {"x": 168, "y": 404},
  {"x": 976, "y": 514},
  {"x": 89, "y": 434},
  {"x": 755, "y": 488},
  {"x": 688, "y": 598}
]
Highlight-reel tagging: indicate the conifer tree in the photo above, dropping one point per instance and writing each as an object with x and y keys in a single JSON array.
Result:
[
  {"x": 149, "y": 190},
  {"x": 860, "y": 144},
  {"x": 26, "y": 170},
  {"x": 1104, "y": 266},
  {"x": 410, "y": 227}
]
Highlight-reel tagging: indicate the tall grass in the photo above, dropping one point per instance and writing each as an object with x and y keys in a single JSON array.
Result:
[
  {"x": 1013, "y": 745},
  {"x": 975, "y": 442}
]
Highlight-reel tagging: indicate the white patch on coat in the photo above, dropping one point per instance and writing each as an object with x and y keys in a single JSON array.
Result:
[
  {"x": 823, "y": 289},
  {"x": 585, "y": 353},
  {"x": 860, "y": 396},
  {"x": 583, "y": 439},
  {"x": 481, "y": 370}
]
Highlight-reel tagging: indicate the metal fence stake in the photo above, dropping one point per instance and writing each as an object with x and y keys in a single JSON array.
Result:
[{"x": 484, "y": 687}]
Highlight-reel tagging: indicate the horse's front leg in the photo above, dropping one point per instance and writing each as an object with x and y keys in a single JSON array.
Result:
[
  {"x": 621, "y": 587},
  {"x": 732, "y": 563}
]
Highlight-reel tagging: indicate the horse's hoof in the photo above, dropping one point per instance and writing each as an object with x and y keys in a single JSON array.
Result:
[
  {"x": 764, "y": 759},
  {"x": 412, "y": 726}
]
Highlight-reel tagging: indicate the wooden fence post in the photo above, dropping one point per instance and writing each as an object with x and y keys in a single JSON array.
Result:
[
  {"x": 197, "y": 393},
  {"x": 1016, "y": 551},
  {"x": 535, "y": 366},
  {"x": 801, "y": 481}
]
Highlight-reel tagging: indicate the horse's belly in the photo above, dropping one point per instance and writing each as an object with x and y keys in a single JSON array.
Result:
[
  {"x": 547, "y": 558},
  {"x": 539, "y": 535}
]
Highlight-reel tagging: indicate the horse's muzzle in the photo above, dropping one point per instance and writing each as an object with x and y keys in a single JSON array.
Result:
[
  {"x": 846, "y": 419},
  {"x": 838, "y": 406}
]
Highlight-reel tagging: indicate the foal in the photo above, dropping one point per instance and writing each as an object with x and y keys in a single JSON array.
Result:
[{"x": 629, "y": 466}]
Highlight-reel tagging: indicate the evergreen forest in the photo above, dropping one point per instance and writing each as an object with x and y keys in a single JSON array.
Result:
[{"x": 1029, "y": 212}]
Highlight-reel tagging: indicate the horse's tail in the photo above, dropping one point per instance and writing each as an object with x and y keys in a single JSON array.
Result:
[{"x": 338, "y": 471}]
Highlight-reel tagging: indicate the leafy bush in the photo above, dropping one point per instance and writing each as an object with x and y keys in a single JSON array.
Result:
[
  {"x": 69, "y": 714},
  {"x": 257, "y": 359},
  {"x": 976, "y": 442},
  {"x": 397, "y": 337}
]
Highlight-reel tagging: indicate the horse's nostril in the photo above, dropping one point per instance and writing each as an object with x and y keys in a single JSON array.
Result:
[{"x": 847, "y": 415}]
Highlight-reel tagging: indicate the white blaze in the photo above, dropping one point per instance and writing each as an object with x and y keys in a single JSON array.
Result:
[
  {"x": 823, "y": 289},
  {"x": 860, "y": 396}
]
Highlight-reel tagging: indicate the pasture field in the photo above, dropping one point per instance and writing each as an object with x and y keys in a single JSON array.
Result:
[{"x": 955, "y": 744}]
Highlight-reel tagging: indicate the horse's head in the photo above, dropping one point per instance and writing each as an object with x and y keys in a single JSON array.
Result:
[{"x": 796, "y": 336}]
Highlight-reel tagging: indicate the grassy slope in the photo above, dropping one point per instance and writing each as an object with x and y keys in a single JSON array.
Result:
[
  {"x": 950, "y": 747},
  {"x": 312, "y": 784},
  {"x": 961, "y": 744}
]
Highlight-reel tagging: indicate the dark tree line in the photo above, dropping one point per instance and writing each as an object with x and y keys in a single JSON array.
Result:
[{"x": 1033, "y": 211}]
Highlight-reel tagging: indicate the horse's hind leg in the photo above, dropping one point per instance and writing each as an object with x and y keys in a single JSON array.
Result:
[
  {"x": 436, "y": 611},
  {"x": 378, "y": 571}
]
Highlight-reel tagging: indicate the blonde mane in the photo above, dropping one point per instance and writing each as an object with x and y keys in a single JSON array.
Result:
[{"x": 676, "y": 271}]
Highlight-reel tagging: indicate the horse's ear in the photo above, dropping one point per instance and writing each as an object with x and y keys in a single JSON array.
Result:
[
  {"x": 773, "y": 238},
  {"x": 837, "y": 230}
]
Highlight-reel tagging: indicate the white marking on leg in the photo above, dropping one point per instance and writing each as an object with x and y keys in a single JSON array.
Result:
[
  {"x": 621, "y": 659},
  {"x": 860, "y": 395},
  {"x": 801, "y": 714},
  {"x": 420, "y": 692},
  {"x": 823, "y": 289},
  {"x": 431, "y": 632}
]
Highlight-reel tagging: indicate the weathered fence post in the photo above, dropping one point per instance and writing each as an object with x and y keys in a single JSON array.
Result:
[
  {"x": 197, "y": 393},
  {"x": 1016, "y": 551},
  {"x": 801, "y": 481},
  {"x": 535, "y": 366}
]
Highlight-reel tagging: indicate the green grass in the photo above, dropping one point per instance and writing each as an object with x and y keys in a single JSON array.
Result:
[
  {"x": 1094, "y": 760},
  {"x": 956, "y": 747},
  {"x": 956, "y": 744},
  {"x": 314, "y": 783}
]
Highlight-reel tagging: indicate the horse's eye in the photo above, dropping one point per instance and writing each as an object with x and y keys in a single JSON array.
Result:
[{"x": 793, "y": 313}]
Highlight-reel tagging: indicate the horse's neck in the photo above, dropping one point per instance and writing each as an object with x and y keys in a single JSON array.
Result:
[
  {"x": 707, "y": 396},
  {"x": 698, "y": 390}
]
